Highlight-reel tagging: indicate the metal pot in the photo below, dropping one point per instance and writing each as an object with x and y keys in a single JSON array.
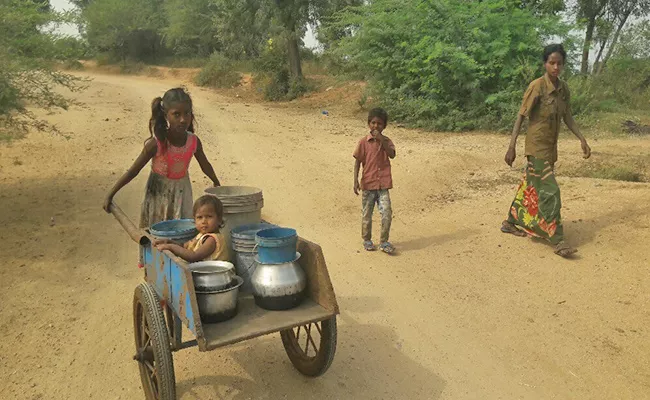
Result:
[
  {"x": 279, "y": 286},
  {"x": 210, "y": 276},
  {"x": 220, "y": 305}
]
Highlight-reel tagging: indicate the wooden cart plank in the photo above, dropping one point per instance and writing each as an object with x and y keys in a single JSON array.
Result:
[{"x": 252, "y": 321}]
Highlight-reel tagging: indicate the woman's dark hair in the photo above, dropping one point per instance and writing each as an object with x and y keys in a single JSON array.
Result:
[
  {"x": 209, "y": 199},
  {"x": 379, "y": 113},
  {"x": 554, "y": 48},
  {"x": 160, "y": 105}
]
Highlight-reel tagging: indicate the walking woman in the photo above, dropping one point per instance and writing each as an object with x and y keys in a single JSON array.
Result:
[{"x": 536, "y": 208}]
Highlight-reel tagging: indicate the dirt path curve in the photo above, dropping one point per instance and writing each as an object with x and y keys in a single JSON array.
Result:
[{"x": 462, "y": 312}]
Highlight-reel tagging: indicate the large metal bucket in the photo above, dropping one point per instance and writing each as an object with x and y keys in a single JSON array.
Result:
[
  {"x": 242, "y": 205},
  {"x": 244, "y": 248}
]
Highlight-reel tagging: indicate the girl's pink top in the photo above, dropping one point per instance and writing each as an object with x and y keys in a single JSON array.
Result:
[{"x": 173, "y": 162}]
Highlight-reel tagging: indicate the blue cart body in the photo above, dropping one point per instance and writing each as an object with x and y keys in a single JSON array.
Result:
[{"x": 172, "y": 280}]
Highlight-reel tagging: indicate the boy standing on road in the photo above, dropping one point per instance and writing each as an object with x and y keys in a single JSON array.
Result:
[{"x": 374, "y": 152}]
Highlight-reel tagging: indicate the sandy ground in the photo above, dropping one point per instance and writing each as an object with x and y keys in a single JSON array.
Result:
[{"x": 462, "y": 312}]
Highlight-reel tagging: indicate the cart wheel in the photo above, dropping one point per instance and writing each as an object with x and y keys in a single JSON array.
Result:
[
  {"x": 174, "y": 327},
  {"x": 311, "y": 347},
  {"x": 152, "y": 345}
]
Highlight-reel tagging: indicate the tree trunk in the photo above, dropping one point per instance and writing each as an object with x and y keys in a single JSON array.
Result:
[
  {"x": 294, "y": 54},
  {"x": 584, "y": 68},
  {"x": 600, "y": 52},
  {"x": 610, "y": 51}
]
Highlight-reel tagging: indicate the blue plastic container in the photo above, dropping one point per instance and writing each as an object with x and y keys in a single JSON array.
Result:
[
  {"x": 178, "y": 230},
  {"x": 276, "y": 245}
]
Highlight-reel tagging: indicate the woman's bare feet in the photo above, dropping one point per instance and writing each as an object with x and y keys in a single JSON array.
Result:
[
  {"x": 507, "y": 227},
  {"x": 564, "y": 250}
]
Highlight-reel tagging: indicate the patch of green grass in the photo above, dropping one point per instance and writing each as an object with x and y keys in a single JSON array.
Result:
[
  {"x": 624, "y": 171},
  {"x": 611, "y": 123},
  {"x": 219, "y": 72}
]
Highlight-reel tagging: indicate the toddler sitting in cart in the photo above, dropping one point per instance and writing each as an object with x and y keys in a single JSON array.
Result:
[{"x": 209, "y": 244}]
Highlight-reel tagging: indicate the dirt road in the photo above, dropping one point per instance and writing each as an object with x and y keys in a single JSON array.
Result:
[{"x": 463, "y": 312}]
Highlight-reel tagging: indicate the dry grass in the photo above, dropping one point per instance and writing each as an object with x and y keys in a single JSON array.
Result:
[
  {"x": 607, "y": 124},
  {"x": 153, "y": 72},
  {"x": 628, "y": 169}
]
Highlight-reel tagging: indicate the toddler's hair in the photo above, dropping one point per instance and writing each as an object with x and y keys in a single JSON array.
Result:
[{"x": 209, "y": 199}]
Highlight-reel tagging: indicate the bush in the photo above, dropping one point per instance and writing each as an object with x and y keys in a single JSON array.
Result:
[
  {"x": 71, "y": 48},
  {"x": 277, "y": 87},
  {"x": 623, "y": 85},
  {"x": 105, "y": 59},
  {"x": 627, "y": 81},
  {"x": 218, "y": 72},
  {"x": 447, "y": 64},
  {"x": 28, "y": 58},
  {"x": 195, "y": 62},
  {"x": 127, "y": 29},
  {"x": 282, "y": 87},
  {"x": 132, "y": 68},
  {"x": 10, "y": 94},
  {"x": 272, "y": 70},
  {"x": 73, "y": 65}
]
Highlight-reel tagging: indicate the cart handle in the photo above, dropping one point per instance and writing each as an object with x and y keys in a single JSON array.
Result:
[{"x": 138, "y": 235}]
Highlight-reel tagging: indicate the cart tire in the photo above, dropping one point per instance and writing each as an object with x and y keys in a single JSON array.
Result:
[
  {"x": 152, "y": 345},
  {"x": 300, "y": 354}
]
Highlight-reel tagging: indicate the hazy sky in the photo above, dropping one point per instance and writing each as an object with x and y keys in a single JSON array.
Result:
[{"x": 61, "y": 5}]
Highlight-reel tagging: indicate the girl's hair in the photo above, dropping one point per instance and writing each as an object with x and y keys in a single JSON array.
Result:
[
  {"x": 159, "y": 107},
  {"x": 554, "y": 48},
  {"x": 380, "y": 113},
  {"x": 209, "y": 199}
]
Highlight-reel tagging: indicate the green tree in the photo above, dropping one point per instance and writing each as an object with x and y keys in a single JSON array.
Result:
[
  {"x": 293, "y": 16},
  {"x": 28, "y": 53},
  {"x": 602, "y": 33},
  {"x": 126, "y": 28},
  {"x": 448, "y": 64},
  {"x": 81, "y": 4},
  {"x": 244, "y": 26},
  {"x": 544, "y": 7},
  {"x": 621, "y": 11},
  {"x": 328, "y": 32},
  {"x": 588, "y": 12},
  {"x": 191, "y": 30},
  {"x": 635, "y": 42}
]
